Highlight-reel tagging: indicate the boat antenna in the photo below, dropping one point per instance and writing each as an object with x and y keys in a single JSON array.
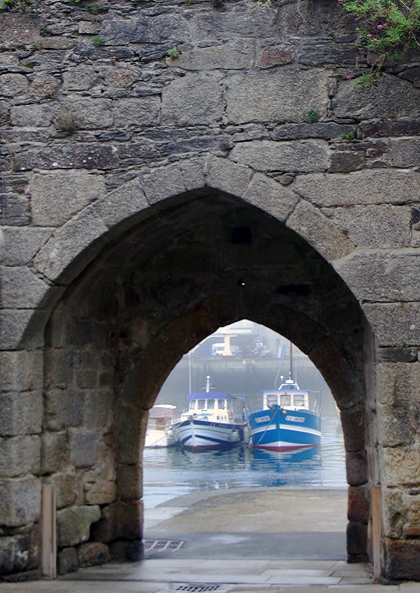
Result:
[
  {"x": 291, "y": 362},
  {"x": 208, "y": 387}
]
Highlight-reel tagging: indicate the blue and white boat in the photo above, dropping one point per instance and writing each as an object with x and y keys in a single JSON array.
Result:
[
  {"x": 213, "y": 421},
  {"x": 289, "y": 419}
]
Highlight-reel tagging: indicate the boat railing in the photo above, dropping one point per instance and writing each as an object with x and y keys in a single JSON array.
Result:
[{"x": 256, "y": 404}]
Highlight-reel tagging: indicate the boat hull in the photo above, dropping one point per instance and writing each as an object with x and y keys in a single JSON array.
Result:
[
  {"x": 203, "y": 435},
  {"x": 284, "y": 430}
]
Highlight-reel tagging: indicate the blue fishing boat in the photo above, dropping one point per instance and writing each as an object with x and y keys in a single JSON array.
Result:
[{"x": 289, "y": 418}]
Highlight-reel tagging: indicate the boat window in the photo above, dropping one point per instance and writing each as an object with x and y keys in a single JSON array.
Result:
[
  {"x": 192, "y": 404},
  {"x": 285, "y": 400},
  {"x": 210, "y": 404},
  {"x": 271, "y": 399},
  {"x": 299, "y": 400},
  {"x": 221, "y": 404},
  {"x": 201, "y": 404}
]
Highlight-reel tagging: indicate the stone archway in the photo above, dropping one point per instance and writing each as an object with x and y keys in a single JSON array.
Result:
[{"x": 178, "y": 271}]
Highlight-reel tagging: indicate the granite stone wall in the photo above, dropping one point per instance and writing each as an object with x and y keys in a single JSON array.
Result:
[{"x": 146, "y": 200}]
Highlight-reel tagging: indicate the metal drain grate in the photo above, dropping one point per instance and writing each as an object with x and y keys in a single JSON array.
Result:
[
  {"x": 162, "y": 545},
  {"x": 197, "y": 588}
]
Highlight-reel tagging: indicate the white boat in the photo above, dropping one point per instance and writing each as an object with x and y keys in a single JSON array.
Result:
[
  {"x": 214, "y": 421},
  {"x": 160, "y": 419}
]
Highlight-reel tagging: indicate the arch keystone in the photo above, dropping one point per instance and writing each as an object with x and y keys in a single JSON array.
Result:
[{"x": 226, "y": 176}]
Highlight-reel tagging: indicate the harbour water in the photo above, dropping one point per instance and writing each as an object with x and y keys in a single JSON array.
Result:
[{"x": 173, "y": 472}]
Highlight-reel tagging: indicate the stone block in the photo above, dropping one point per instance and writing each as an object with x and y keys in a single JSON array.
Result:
[
  {"x": 402, "y": 152},
  {"x": 383, "y": 129},
  {"x": 21, "y": 289},
  {"x": 391, "y": 97},
  {"x": 55, "y": 452},
  {"x": 20, "y": 501},
  {"x": 84, "y": 444},
  {"x": 401, "y": 559},
  {"x": 164, "y": 182},
  {"x": 357, "y": 539},
  {"x": 12, "y": 85},
  {"x": 31, "y": 115},
  {"x": 21, "y": 413},
  {"x": 21, "y": 370},
  {"x": 64, "y": 408},
  {"x": 67, "y": 561},
  {"x": 345, "y": 161},
  {"x": 66, "y": 489},
  {"x": 131, "y": 551},
  {"x": 18, "y": 28},
  {"x": 137, "y": 112},
  {"x": 402, "y": 354},
  {"x": 394, "y": 505},
  {"x": 76, "y": 189},
  {"x": 226, "y": 176},
  {"x": 20, "y": 455},
  {"x": 274, "y": 55},
  {"x": 129, "y": 480},
  {"x": 56, "y": 196},
  {"x": 193, "y": 99},
  {"x": 61, "y": 250},
  {"x": 389, "y": 278},
  {"x": 358, "y": 505},
  {"x": 401, "y": 466},
  {"x": 14, "y": 554},
  {"x": 356, "y": 468},
  {"x": 90, "y": 113},
  {"x": 121, "y": 520},
  {"x": 143, "y": 29},
  {"x": 319, "y": 231},
  {"x": 232, "y": 55},
  {"x": 92, "y": 554},
  {"x": 122, "y": 203},
  {"x": 70, "y": 156},
  {"x": 394, "y": 324},
  {"x": 384, "y": 226},
  {"x": 14, "y": 210},
  {"x": 79, "y": 78},
  {"x": 353, "y": 423},
  {"x": 303, "y": 156},
  {"x": 43, "y": 86},
  {"x": 264, "y": 192},
  {"x": 379, "y": 186},
  {"x": 74, "y": 524},
  {"x": 250, "y": 95},
  {"x": 315, "y": 52},
  {"x": 235, "y": 22},
  {"x": 323, "y": 130},
  {"x": 22, "y": 243}
]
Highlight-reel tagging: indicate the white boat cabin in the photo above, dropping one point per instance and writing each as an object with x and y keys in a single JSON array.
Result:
[
  {"x": 289, "y": 397},
  {"x": 215, "y": 407}
]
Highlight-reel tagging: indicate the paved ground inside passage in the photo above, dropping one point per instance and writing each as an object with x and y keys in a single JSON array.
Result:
[{"x": 236, "y": 541}]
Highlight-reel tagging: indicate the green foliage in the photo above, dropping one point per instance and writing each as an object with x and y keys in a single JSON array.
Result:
[
  {"x": 348, "y": 136},
  {"x": 312, "y": 116},
  {"x": 174, "y": 53},
  {"x": 97, "y": 41},
  {"x": 390, "y": 29},
  {"x": 16, "y": 5}
]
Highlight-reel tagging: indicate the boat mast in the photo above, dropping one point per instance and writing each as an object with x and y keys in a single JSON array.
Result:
[{"x": 291, "y": 362}]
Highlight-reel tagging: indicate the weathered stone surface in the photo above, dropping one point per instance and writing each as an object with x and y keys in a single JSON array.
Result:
[
  {"x": 383, "y": 278},
  {"x": 57, "y": 195},
  {"x": 356, "y": 468},
  {"x": 401, "y": 559},
  {"x": 250, "y": 96},
  {"x": 384, "y": 226},
  {"x": 20, "y": 455},
  {"x": 44, "y": 86},
  {"x": 67, "y": 561},
  {"x": 325, "y": 237},
  {"x": 122, "y": 203},
  {"x": 346, "y": 162},
  {"x": 74, "y": 524},
  {"x": 21, "y": 244},
  {"x": 389, "y": 98},
  {"x": 13, "y": 84},
  {"x": 394, "y": 324},
  {"x": 21, "y": 413},
  {"x": 172, "y": 180},
  {"x": 14, "y": 554},
  {"x": 129, "y": 481},
  {"x": 14, "y": 210},
  {"x": 235, "y": 23},
  {"x": 306, "y": 156},
  {"x": 144, "y": 30},
  {"x": 90, "y": 114},
  {"x": 402, "y": 354},
  {"x": 55, "y": 452},
  {"x": 20, "y": 501},
  {"x": 21, "y": 370},
  {"x": 21, "y": 289},
  {"x": 138, "y": 112},
  {"x": 233, "y": 55},
  {"x": 227, "y": 176},
  {"x": 382, "y": 129},
  {"x": 358, "y": 505},
  {"x": 315, "y": 52},
  {"x": 361, "y": 187},
  {"x": 356, "y": 540},
  {"x": 79, "y": 78},
  {"x": 84, "y": 447},
  {"x": 264, "y": 192},
  {"x": 275, "y": 55},
  {"x": 66, "y": 489},
  {"x": 63, "y": 411},
  {"x": 92, "y": 554},
  {"x": 19, "y": 29},
  {"x": 403, "y": 152},
  {"x": 32, "y": 115},
  {"x": 193, "y": 99},
  {"x": 353, "y": 423},
  {"x": 323, "y": 130},
  {"x": 120, "y": 520},
  {"x": 401, "y": 466}
]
